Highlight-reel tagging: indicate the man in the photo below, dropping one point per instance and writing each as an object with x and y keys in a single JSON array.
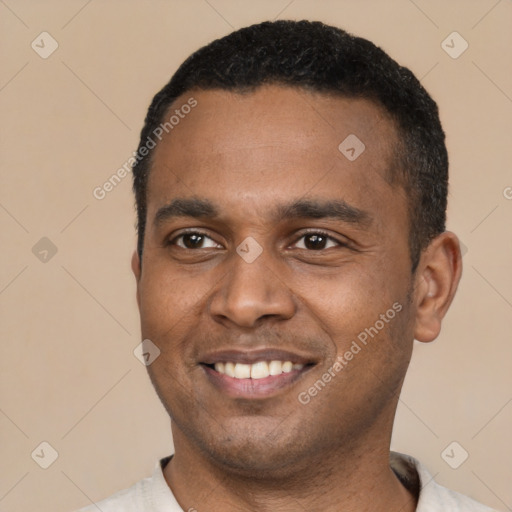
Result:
[{"x": 291, "y": 185}]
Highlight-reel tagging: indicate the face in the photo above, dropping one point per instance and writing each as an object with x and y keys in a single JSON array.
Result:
[{"x": 276, "y": 277}]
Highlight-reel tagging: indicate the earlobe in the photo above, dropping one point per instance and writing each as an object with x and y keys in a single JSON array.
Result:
[
  {"x": 437, "y": 278},
  {"x": 136, "y": 269},
  {"x": 136, "y": 265}
]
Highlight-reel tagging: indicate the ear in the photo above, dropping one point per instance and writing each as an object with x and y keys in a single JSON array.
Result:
[
  {"x": 437, "y": 277},
  {"x": 136, "y": 269}
]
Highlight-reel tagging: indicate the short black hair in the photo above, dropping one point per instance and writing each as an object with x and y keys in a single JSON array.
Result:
[{"x": 317, "y": 57}]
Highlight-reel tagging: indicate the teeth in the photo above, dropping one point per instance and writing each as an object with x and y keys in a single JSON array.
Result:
[
  {"x": 275, "y": 368},
  {"x": 242, "y": 371},
  {"x": 229, "y": 369},
  {"x": 258, "y": 370},
  {"x": 287, "y": 367}
]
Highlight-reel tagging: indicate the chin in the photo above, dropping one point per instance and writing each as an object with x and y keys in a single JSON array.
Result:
[
  {"x": 255, "y": 460},
  {"x": 255, "y": 448}
]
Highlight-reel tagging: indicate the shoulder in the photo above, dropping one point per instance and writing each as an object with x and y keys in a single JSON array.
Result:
[
  {"x": 127, "y": 500},
  {"x": 432, "y": 496},
  {"x": 150, "y": 494}
]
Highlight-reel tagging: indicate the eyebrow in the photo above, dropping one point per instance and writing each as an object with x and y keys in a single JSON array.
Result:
[
  {"x": 200, "y": 208},
  {"x": 189, "y": 207},
  {"x": 321, "y": 209}
]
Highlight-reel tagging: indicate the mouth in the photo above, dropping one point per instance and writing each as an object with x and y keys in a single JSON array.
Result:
[{"x": 258, "y": 374}]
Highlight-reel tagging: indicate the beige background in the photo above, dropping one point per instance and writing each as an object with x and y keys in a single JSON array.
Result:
[{"x": 69, "y": 325}]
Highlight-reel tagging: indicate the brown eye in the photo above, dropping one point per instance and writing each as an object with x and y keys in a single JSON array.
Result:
[
  {"x": 193, "y": 240},
  {"x": 317, "y": 241}
]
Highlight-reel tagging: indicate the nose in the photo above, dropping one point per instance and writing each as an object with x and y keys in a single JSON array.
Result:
[{"x": 251, "y": 292}]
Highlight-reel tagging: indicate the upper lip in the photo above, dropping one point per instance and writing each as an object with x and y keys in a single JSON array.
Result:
[{"x": 253, "y": 356}]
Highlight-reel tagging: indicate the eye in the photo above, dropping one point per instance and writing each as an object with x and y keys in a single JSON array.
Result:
[
  {"x": 193, "y": 240},
  {"x": 317, "y": 241},
  {"x": 313, "y": 241}
]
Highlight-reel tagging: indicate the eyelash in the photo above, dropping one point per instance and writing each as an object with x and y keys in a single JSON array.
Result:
[{"x": 304, "y": 234}]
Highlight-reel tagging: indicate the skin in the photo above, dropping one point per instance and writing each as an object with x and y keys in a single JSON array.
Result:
[{"x": 247, "y": 153}]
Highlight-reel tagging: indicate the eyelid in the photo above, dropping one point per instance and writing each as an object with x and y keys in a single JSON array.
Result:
[
  {"x": 318, "y": 231},
  {"x": 188, "y": 231},
  {"x": 302, "y": 234}
]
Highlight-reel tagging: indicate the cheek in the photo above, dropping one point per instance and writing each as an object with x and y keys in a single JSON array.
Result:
[
  {"x": 172, "y": 312},
  {"x": 166, "y": 299},
  {"x": 352, "y": 298}
]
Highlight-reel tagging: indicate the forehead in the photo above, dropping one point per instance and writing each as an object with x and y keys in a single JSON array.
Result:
[{"x": 271, "y": 141}]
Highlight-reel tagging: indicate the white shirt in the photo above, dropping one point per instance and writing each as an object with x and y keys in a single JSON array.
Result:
[{"x": 154, "y": 495}]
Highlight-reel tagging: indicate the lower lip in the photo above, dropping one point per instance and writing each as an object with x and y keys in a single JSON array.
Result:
[{"x": 253, "y": 388}]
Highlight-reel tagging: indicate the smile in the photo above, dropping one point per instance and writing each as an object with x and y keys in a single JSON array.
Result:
[
  {"x": 257, "y": 379},
  {"x": 255, "y": 374},
  {"x": 257, "y": 370}
]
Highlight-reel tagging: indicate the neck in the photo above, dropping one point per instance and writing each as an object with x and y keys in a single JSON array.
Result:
[{"x": 358, "y": 478}]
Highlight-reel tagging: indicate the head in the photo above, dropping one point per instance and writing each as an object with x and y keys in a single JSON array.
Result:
[
  {"x": 325, "y": 59},
  {"x": 260, "y": 240}
]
